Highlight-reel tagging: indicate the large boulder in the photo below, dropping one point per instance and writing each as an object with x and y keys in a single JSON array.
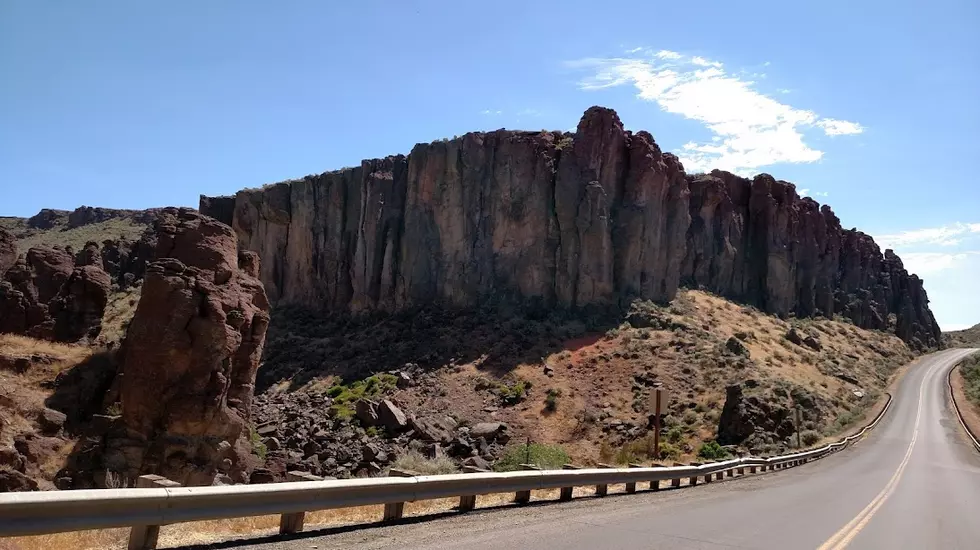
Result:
[
  {"x": 190, "y": 356},
  {"x": 77, "y": 310}
]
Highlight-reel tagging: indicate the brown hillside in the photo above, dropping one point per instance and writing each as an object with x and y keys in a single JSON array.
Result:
[{"x": 967, "y": 338}]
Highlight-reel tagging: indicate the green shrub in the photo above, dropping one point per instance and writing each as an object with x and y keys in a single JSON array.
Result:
[
  {"x": 547, "y": 457},
  {"x": 258, "y": 447},
  {"x": 810, "y": 437},
  {"x": 690, "y": 417},
  {"x": 675, "y": 435},
  {"x": 513, "y": 394},
  {"x": 669, "y": 451},
  {"x": 371, "y": 387},
  {"x": 970, "y": 370},
  {"x": 551, "y": 400},
  {"x": 712, "y": 451}
]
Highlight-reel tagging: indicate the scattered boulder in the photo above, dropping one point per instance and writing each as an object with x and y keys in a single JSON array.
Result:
[
  {"x": 404, "y": 380},
  {"x": 812, "y": 343},
  {"x": 437, "y": 429},
  {"x": 391, "y": 417},
  {"x": 735, "y": 346},
  {"x": 12, "y": 480},
  {"x": 476, "y": 462},
  {"x": 366, "y": 412},
  {"x": 490, "y": 431},
  {"x": 51, "y": 421},
  {"x": 794, "y": 336}
]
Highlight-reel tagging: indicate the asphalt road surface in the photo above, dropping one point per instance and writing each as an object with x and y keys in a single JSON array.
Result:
[{"x": 914, "y": 483}]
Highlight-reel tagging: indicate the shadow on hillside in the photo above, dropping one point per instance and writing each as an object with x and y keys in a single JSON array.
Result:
[
  {"x": 80, "y": 391},
  {"x": 303, "y": 344}
]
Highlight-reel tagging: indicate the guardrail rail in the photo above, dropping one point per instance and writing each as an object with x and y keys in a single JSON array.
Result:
[{"x": 145, "y": 509}]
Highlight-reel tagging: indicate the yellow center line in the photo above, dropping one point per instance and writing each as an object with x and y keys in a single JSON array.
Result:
[{"x": 842, "y": 538}]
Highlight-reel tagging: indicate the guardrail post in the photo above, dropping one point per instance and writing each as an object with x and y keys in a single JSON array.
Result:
[
  {"x": 144, "y": 537},
  {"x": 602, "y": 489},
  {"x": 655, "y": 484},
  {"x": 676, "y": 482},
  {"x": 523, "y": 497},
  {"x": 468, "y": 502},
  {"x": 631, "y": 486},
  {"x": 395, "y": 510},
  {"x": 753, "y": 469},
  {"x": 293, "y": 523},
  {"x": 720, "y": 475},
  {"x": 566, "y": 492},
  {"x": 741, "y": 470},
  {"x": 694, "y": 479}
]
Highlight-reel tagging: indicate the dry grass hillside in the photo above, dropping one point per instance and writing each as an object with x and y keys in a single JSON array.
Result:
[
  {"x": 586, "y": 384},
  {"x": 963, "y": 338},
  {"x": 75, "y": 237},
  {"x": 29, "y": 370}
]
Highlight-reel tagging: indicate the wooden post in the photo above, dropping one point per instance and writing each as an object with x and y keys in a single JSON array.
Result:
[
  {"x": 395, "y": 510},
  {"x": 720, "y": 475},
  {"x": 468, "y": 502},
  {"x": 293, "y": 523},
  {"x": 741, "y": 470},
  {"x": 655, "y": 484},
  {"x": 694, "y": 479},
  {"x": 752, "y": 469},
  {"x": 799, "y": 442},
  {"x": 144, "y": 537},
  {"x": 631, "y": 486},
  {"x": 656, "y": 423},
  {"x": 602, "y": 489},
  {"x": 523, "y": 497},
  {"x": 676, "y": 482},
  {"x": 566, "y": 492}
]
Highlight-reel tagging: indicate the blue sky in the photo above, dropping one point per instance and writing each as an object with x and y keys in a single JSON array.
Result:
[{"x": 869, "y": 106}]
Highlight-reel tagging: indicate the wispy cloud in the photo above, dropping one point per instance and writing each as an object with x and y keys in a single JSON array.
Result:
[
  {"x": 925, "y": 263},
  {"x": 808, "y": 193},
  {"x": 491, "y": 112},
  {"x": 755, "y": 129},
  {"x": 947, "y": 235}
]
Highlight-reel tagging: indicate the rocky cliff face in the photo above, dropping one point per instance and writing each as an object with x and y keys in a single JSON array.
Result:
[
  {"x": 190, "y": 357},
  {"x": 563, "y": 220}
]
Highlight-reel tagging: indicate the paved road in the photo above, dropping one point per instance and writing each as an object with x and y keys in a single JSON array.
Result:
[{"x": 914, "y": 483}]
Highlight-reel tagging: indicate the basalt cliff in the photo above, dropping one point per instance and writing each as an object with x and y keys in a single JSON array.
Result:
[{"x": 564, "y": 220}]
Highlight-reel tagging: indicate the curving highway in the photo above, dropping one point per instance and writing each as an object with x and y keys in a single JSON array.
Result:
[{"x": 914, "y": 483}]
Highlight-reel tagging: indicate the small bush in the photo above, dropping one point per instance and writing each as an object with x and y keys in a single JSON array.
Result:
[
  {"x": 712, "y": 451},
  {"x": 258, "y": 447},
  {"x": 675, "y": 435},
  {"x": 810, "y": 437},
  {"x": 669, "y": 451},
  {"x": 547, "y": 457},
  {"x": 690, "y": 417},
  {"x": 513, "y": 394},
  {"x": 414, "y": 461},
  {"x": 551, "y": 400}
]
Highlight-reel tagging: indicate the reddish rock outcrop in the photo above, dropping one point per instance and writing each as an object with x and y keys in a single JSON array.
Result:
[
  {"x": 46, "y": 296},
  {"x": 563, "y": 220},
  {"x": 8, "y": 250},
  {"x": 190, "y": 357}
]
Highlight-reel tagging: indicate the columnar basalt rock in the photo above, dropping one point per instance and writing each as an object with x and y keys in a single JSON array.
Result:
[
  {"x": 190, "y": 356},
  {"x": 594, "y": 217}
]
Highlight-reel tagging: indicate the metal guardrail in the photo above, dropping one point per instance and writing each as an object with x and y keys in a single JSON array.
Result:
[
  {"x": 37, "y": 513},
  {"x": 956, "y": 407}
]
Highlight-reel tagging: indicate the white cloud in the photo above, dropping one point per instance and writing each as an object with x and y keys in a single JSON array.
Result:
[
  {"x": 755, "y": 130},
  {"x": 804, "y": 192},
  {"x": 783, "y": 90},
  {"x": 490, "y": 112},
  {"x": 924, "y": 263},
  {"x": 942, "y": 236},
  {"x": 834, "y": 127}
]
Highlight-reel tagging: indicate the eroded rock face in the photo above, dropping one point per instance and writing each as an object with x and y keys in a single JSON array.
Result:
[
  {"x": 8, "y": 250},
  {"x": 190, "y": 357},
  {"x": 564, "y": 220}
]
